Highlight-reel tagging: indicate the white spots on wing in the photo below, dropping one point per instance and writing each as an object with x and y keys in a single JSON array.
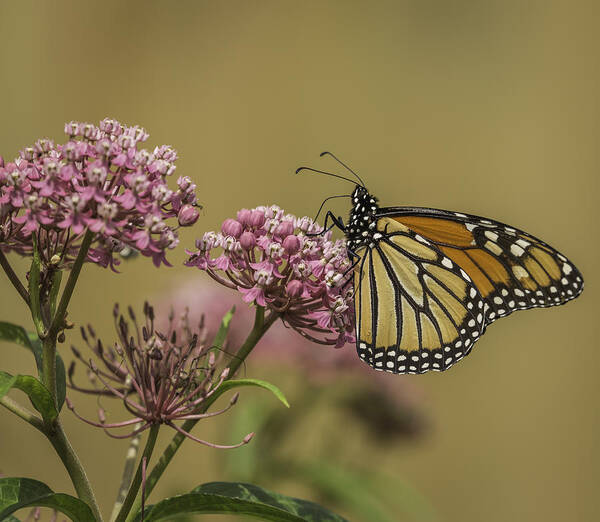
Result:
[
  {"x": 447, "y": 263},
  {"x": 522, "y": 243},
  {"x": 567, "y": 269},
  {"x": 473, "y": 293},
  {"x": 516, "y": 250},
  {"x": 492, "y": 236},
  {"x": 498, "y": 300}
]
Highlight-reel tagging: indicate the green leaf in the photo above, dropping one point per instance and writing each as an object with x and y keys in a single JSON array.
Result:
[
  {"x": 243, "y": 499},
  {"x": 18, "y": 335},
  {"x": 344, "y": 487},
  {"x": 19, "y": 493},
  {"x": 223, "y": 329},
  {"x": 228, "y": 385},
  {"x": 38, "y": 394}
]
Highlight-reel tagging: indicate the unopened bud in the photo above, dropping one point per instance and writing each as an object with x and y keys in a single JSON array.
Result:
[
  {"x": 291, "y": 244},
  {"x": 231, "y": 227},
  {"x": 187, "y": 215}
]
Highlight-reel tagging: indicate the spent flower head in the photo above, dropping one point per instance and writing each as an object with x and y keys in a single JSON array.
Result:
[
  {"x": 99, "y": 180},
  {"x": 286, "y": 264},
  {"x": 162, "y": 376}
]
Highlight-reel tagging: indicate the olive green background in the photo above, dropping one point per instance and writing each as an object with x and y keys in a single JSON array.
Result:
[{"x": 489, "y": 107}]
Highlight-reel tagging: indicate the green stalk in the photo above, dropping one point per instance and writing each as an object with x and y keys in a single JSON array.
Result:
[
  {"x": 22, "y": 412},
  {"x": 34, "y": 291},
  {"x": 54, "y": 289},
  {"x": 128, "y": 471},
  {"x": 49, "y": 338},
  {"x": 61, "y": 311},
  {"x": 58, "y": 439},
  {"x": 137, "y": 480},
  {"x": 261, "y": 325},
  {"x": 14, "y": 279}
]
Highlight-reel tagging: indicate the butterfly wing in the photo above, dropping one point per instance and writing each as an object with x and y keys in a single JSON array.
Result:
[
  {"x": 511, "y": 269},
  {"x": 416, "y": 309}
]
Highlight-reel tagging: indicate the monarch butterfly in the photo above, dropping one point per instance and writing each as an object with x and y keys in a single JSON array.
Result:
[{"x": 428, "y": 282}]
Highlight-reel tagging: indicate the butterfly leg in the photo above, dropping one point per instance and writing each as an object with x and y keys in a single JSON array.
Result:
[{"x": 337, "y": 222}]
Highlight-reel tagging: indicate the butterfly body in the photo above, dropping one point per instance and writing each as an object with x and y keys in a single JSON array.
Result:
[{"x": 428, "y": 282}]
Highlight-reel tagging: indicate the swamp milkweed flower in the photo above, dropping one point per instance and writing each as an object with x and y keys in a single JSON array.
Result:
[
  {"x": 99, "y": 180},
  {"x": 288, "y": 265},
  {"x": 160, "y": 376}
]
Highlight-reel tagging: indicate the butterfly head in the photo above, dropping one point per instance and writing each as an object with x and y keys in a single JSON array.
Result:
[{"x": 363, "y": 219}]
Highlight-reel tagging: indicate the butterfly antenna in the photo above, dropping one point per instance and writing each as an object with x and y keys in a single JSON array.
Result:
[
  {"x": 326, "y": 153},
  {"x": 327, "y": 199},
  {"x": 326, "y": 173}
]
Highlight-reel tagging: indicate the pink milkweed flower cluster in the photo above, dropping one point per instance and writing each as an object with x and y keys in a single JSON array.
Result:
[
  {"x": 100, "y": 180},
  {"x": 161, "y": 375},
  {"x": 286, "y": 264}
]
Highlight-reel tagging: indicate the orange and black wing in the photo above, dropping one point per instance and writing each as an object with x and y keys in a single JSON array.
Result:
[{"x": 511, "y": 269}]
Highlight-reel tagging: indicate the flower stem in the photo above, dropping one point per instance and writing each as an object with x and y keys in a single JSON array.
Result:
[
  {"x": 34, "y": 292},
  {"x": 61, "y": 311},
  {"x": 128, "y": 470},
  {"x": 14, "y": 279},
  {"x": 49, "y": 339},
  {"x": 135, "y": 484},
  {"x": 22, "y": 412},
  {"x": 58, "y": 439},
  {"x": 261, "y": 325}
]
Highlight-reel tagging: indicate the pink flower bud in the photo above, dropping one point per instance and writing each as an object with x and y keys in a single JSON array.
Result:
[
  {"x": 231, "y": 227},
  {"x": 243, "y": 216},
  {"x": 257, "y": 218},
  {"x": 247, "y": 240},
  {"x": 294, "y": 288},
  {"x": 291, "y": 244},
  {"x": 285, "y": 228},
  {"x": 187, "y": 215}
]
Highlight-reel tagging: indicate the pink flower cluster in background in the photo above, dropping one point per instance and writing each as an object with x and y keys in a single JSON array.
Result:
[
  {"x": 286, "y": 264},
  {"x": 99, "y": 180}
]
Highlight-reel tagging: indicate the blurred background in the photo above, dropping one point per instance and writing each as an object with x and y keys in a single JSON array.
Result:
[{"x": 490, "y": 108}]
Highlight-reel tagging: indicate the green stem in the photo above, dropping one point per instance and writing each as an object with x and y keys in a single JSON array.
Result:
[
  {"x": 49, "y": 339},
  {"x": 14, "y": 279},
  {"x": 59, "y": 317},
  {"x": 22, "y": 412},
  {"x": 54, "y": 289},
  {"x": 58, "y": 439},
  {"x": 128, "y": 470},
  {"x": 135, "y": 483},
  {"x": 49, "y": 365},
  {"x": 34, "y": 291},
  {"x": 261, "y": 325}
]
